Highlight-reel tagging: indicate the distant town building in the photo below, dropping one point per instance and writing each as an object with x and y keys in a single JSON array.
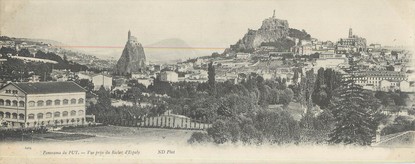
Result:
[
  {"x": 241, "y": 55},
  {"x": 330, "y": 60},
  {"x": 169, "y": 76},
  {"x": 86, "y": 76},
  {"x": 138, "y": 75},
  {"x": 101, "y": 80},
  {"x": 145, "y": 81},
  {"x": 373, "y": 47},
  {"x": 42, "y": 104},
  {"x": 306, "y": 49}
]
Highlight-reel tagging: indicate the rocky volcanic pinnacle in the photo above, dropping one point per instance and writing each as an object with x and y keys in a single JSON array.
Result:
[
  {"x": 271, "y": 30},
  {"x": 133, "y": 58}
]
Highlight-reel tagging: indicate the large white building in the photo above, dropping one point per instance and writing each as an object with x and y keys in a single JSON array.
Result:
[
  {"x": 382, "y": 80},
  {"x": 42, "y": 104}
]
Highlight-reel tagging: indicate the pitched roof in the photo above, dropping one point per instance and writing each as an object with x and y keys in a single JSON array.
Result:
[{"x": 49, "y": 87}]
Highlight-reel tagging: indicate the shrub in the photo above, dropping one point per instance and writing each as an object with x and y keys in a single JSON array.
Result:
[
  {"x": 250, "y": 135},
  {"x": 199, "y": 137},
  {"x": 219, "y": 132},
  {"x": 401, "y": 124}
]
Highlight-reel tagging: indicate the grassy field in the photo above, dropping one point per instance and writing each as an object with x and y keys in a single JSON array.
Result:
[
  {"x": 131, "y": 134},
  {"x": 107, "y": 134},
  {"x": 66, "y": 137}
]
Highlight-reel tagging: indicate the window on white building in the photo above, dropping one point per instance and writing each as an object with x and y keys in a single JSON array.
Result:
[
  {"x": 48, "y": 102},
  {"x": 48, "y": 115},
  {"x": 31, "y": 103},
  {"x": 65, "y": 101},
  {"x": 14, "y": 103},
  {"x": 57, "y": 102},
  {"x": 57, "y": 114},
  {"x": 40, "y": 103},
  {"x": 40, "y": 116},
  {"x": 8, "y": 102},
  {"x": 21, "y": 103}
]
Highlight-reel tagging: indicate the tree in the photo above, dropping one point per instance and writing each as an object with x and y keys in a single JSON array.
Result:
[
  {"x": 104, "y": 98},
  {"x": 25, "y": 53},
  {"x": 85, "y": 83},
  {"x": 307, "y": 89},
  {"x": 295, "y": 77},
  {"x": 319, "y": 93},
  {"x": 211, "y": 79},
  {"x": 274, "y": 97},
  {"x": 286, "y": 96},
  {"x": 354, "y": 112},
  {"x": 134, "y": 94},
  {"x": 277, "y": 126},
  {"x": 332, "y": 81},
  {"x": 219, "y": 132}
]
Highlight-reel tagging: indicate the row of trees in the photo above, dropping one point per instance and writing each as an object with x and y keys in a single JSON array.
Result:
[{"x": 348, "y": 114}]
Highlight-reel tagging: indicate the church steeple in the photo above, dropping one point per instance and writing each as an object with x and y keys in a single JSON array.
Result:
[
  {"x": 273, "y": 15},
  {"x": 129, "y": 35}
]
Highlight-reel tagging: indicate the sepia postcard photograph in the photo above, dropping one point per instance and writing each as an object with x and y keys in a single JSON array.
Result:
[{"x": 207, "y": 81}]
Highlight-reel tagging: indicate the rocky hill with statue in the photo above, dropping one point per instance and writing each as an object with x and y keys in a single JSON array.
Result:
[{"x": 273, "y": 32}]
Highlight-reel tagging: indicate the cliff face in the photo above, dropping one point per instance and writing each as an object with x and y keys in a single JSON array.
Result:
[
  {"x": 133, "y": 58},
  {"x": 272, "y": 30}
]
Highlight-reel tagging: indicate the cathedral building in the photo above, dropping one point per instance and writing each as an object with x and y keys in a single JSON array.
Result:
[{"x": 353, "y": 43}]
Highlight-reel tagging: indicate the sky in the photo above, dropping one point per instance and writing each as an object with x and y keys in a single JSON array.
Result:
[{"x": 201, "y": 23}]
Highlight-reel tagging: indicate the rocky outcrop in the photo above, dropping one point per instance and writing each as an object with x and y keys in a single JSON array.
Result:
[
  {"x": 272, "y": 30},
  {"x": 133, "y": 58}
]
